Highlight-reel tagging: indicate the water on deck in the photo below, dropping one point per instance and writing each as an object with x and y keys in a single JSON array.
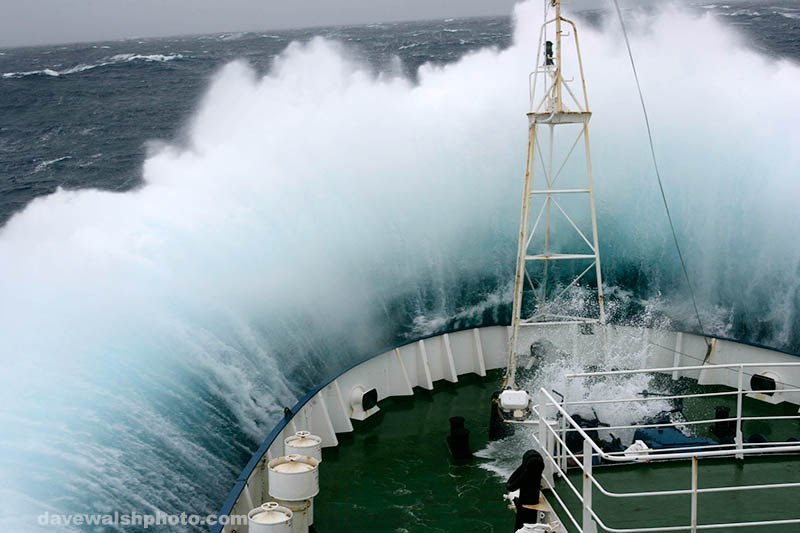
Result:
[{"x": 394, "y": 473}]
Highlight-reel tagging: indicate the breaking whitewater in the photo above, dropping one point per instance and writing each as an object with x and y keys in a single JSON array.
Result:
[{"x": 327, "y": 193}]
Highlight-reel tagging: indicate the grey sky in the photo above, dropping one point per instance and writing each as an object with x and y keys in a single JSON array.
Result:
[{"x": 27, "y": 22}]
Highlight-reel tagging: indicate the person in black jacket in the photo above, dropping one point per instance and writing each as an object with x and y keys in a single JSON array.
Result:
[{"x": 528, "y": 479}]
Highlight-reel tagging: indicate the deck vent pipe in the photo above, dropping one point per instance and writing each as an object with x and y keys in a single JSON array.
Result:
[
  {"x": 305, "y": 444},
  {"x": 293, "y": 477},
  {"x": 302, "y": 514},
  {"x": 270, "y": 518}
]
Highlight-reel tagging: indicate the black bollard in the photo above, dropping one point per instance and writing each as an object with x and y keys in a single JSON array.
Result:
[
  {"x": 456, "y": 422},
  {"x": 528, "y": 479},
  {"x": 458, "y": 440},
  {"x": 724, "y": 431}
]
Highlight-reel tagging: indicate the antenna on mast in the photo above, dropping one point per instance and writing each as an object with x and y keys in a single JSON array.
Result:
[{"x": 555, "y": 109}]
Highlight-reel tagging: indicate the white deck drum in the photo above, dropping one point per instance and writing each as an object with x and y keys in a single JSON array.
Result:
[
  {"x": 293, "y": 477},
  {"x": 304, "y": 443},
  {"x": 270, "y": 518},
  {"x": 301, "y": 514}
]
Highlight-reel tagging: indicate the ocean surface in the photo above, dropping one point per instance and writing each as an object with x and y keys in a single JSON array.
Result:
[
  {"x": 83, "y": 115},
  {"x": 195, "y": 230}
]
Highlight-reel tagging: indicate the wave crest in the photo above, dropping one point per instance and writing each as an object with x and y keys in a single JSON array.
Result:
[{"x": 113, "y": 60}]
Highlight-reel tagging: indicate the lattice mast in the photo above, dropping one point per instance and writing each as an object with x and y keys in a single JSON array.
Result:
[{"x": 555, "y": 106}]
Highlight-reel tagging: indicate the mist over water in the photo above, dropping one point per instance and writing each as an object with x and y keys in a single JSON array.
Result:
[{"x": 320, "y": 212}]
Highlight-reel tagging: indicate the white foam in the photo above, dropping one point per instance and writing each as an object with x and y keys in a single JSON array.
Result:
[
  {"x": 44, "y": 164},
  {"x": 430, "y": 323},
  {"x": 116, "y": 59},
  {"x": 231, "y": 36},
  {"x": 160, "y": 58},
  {"x": 45, "y": 72},
  {"x": 556, "y": 362}
]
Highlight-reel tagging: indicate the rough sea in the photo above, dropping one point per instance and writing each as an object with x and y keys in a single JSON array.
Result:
[{"x": 195, "y": 230}]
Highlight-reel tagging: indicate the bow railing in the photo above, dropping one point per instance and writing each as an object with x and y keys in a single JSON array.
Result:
[{"x": 555, "y": 423}]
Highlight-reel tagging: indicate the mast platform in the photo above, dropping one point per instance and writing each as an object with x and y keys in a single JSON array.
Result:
[{"x": 562, "y": 117}]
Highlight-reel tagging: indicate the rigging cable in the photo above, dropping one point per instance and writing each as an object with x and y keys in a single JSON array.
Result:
[{"x": 658, "y": 176}]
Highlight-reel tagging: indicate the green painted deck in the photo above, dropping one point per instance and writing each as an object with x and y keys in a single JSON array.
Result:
[
  {"x": 394, "y": 473},
  {"x": 725, "y": 507}
]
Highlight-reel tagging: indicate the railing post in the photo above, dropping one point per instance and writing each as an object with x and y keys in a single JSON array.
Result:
[
  {"x": 694, "y": 494},
  {"x": 562, "y": 432},
  {"x": 563, "y": 449},
  {"x": 739, "y": 439},
  {"x": 545, "y": 441},
  {"x": 588, "y": 525}
]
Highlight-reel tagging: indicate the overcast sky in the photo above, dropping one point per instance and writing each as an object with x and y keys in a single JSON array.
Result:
[{"x": 27, "y": 22}]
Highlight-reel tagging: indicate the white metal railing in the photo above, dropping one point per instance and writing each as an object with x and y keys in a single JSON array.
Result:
[{"x": 552, "y": 433}]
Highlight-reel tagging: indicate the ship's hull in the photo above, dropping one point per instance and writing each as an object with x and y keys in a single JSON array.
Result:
[{"x": 333, "y": 409}]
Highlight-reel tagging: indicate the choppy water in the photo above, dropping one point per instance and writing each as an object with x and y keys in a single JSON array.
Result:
[
  {"x": 244, "y": 214},
  {"x": 79, "y": 116}
]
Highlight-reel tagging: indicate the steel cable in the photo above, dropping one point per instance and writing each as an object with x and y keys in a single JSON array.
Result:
[{"x": 658, "y": 173}]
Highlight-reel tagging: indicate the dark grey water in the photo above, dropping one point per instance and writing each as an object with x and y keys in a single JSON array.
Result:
[{"x": 82, "y": 115}]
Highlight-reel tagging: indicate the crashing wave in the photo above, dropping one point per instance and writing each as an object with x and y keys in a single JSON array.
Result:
[{"x": 310, "y": 204}]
